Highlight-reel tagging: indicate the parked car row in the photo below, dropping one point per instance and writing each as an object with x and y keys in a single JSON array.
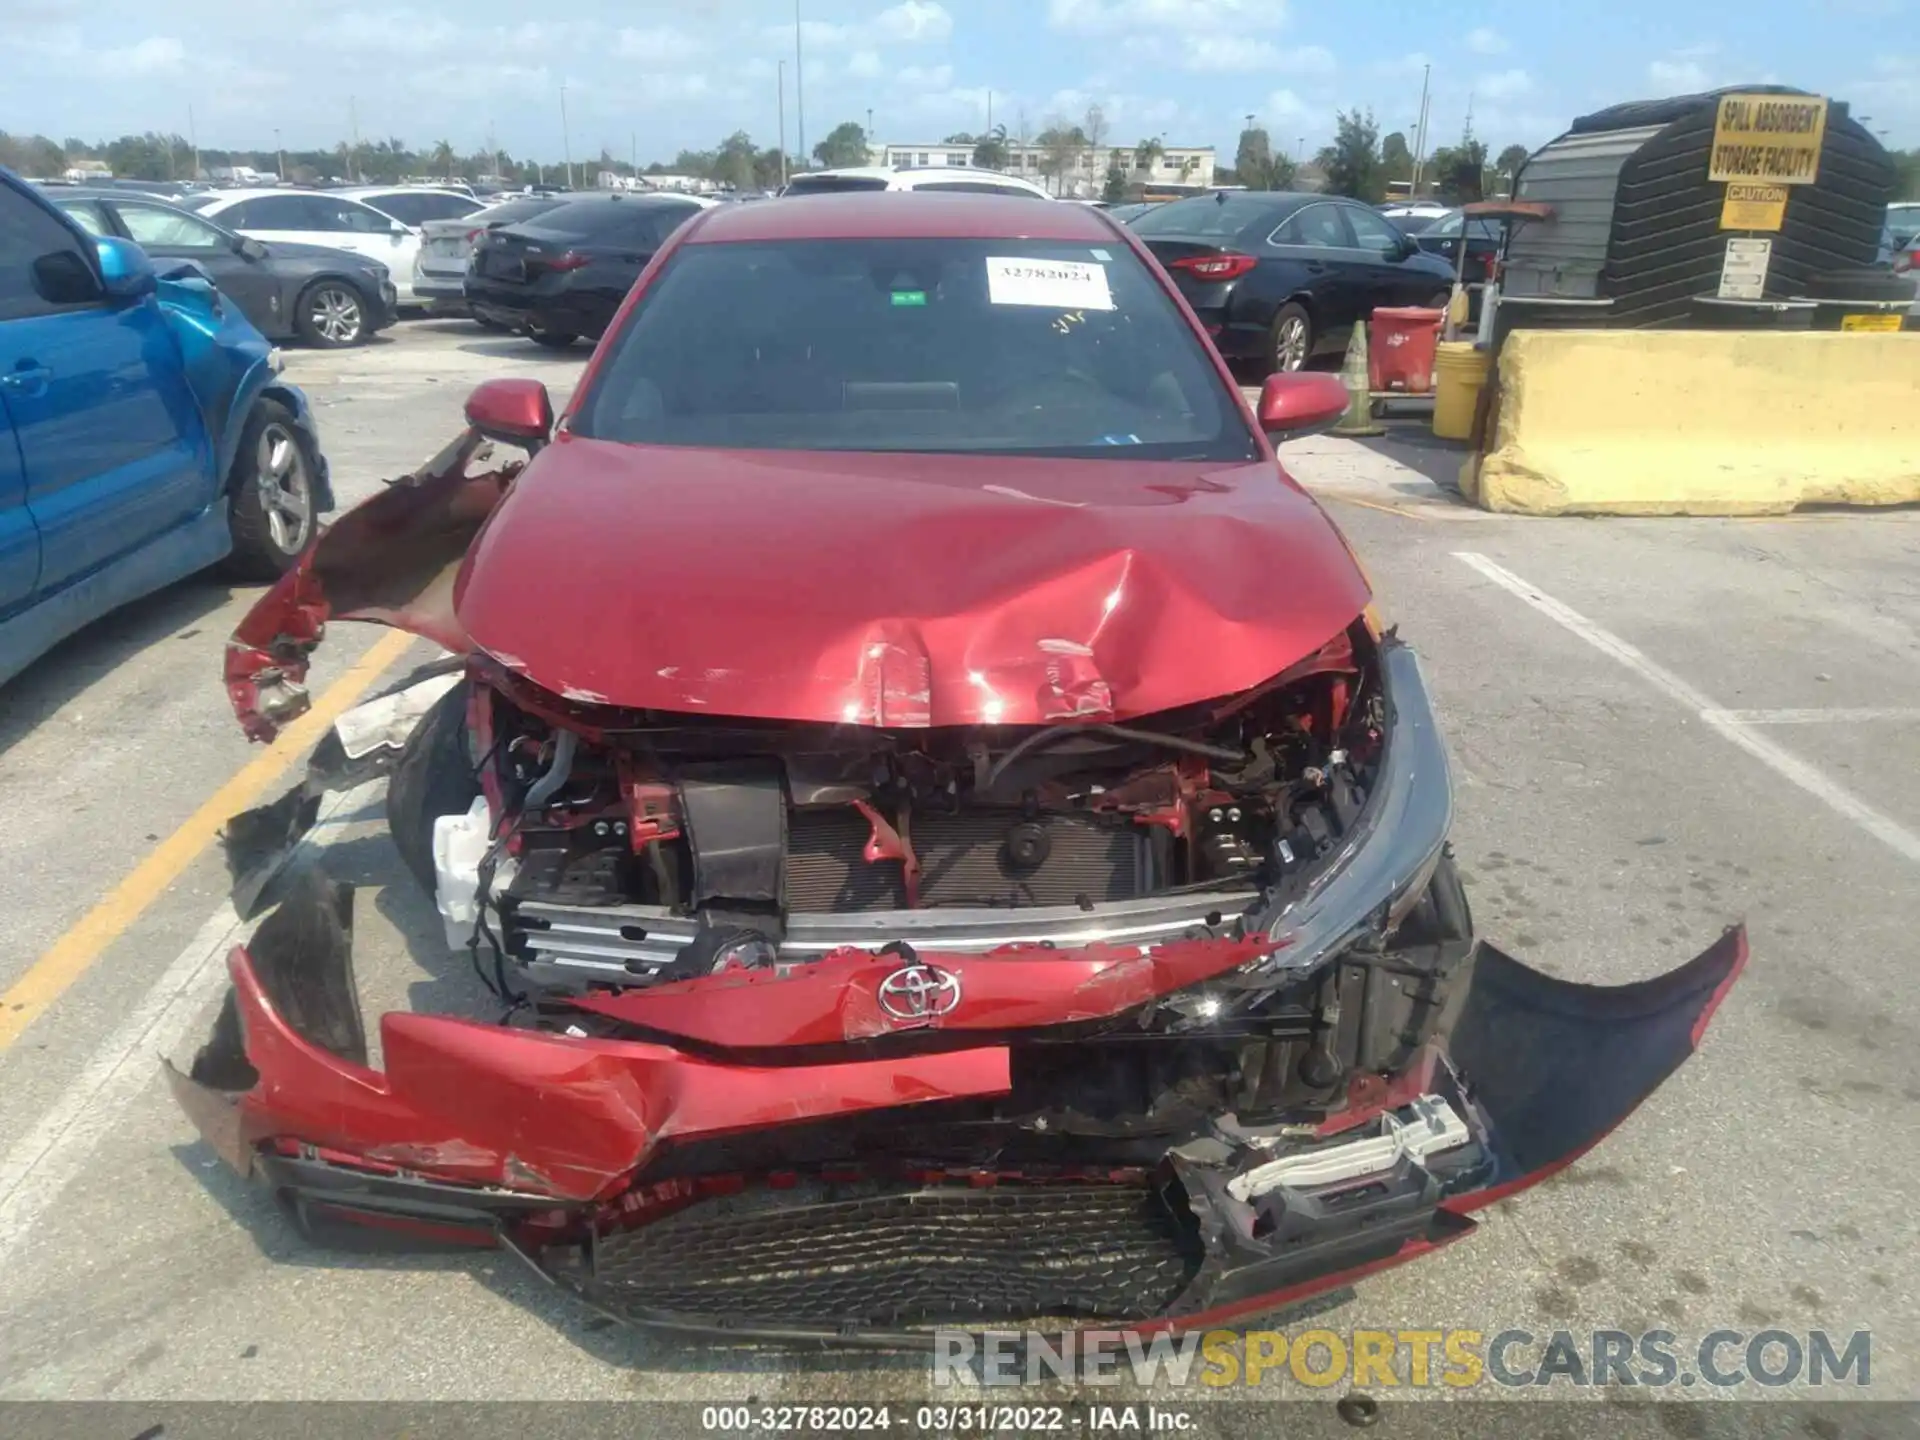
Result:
[
  {"x": 144, "y": 433},
  {"x": 323, "y": 296}
]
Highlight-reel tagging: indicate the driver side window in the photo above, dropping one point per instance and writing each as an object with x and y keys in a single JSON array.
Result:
[
  {"x": 153, "y": 225},
  {"x": 1372, "y": 232},
  {"x": 1316, "y": 225},
  {"x": 42, "y": 266}
]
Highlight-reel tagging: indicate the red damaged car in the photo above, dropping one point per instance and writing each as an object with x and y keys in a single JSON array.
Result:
[{"x": 952, "y": 838}]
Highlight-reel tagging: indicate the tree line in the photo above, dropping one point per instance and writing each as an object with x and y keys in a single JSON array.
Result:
[{"x": 1360, "y": 161}]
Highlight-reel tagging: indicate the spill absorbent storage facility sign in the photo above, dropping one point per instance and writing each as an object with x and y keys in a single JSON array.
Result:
[{"x": 1768, "y": 139}]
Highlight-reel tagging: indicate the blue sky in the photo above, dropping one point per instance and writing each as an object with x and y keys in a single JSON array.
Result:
[{"x": 660, "y": 76}]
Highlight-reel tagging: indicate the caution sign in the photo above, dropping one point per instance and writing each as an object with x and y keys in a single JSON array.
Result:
[
  {"x": 1754, "y": 207},
  {"x": 1770, "y": 139}
]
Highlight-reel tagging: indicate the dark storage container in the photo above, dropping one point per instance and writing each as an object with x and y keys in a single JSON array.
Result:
[
  {"x": 1547, "y": 312},
  {"x": 1710, "y": 312},
  {"x": 1637, "y": 221}
]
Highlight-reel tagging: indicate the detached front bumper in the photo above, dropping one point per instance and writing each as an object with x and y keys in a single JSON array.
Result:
[{"x": 547, "y": 1143}]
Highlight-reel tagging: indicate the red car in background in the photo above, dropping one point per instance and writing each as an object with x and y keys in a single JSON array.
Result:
[{"x": 952, "y": 837}]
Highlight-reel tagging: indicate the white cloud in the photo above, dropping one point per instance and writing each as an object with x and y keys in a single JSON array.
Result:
[
  {"x": 913, "y": 21},
  {"x": 1485, "y": 40},
  {"x": 1219, "y": 54},
  {"x": 1506, "y": 85},
  {"x": 1307, "y": 60},
  {"x": 156, "y": 55},
  {"x": 917, "y": 77},
  {"x": 658, "y": 43},
  {"x": 1678, "y": 77},
  {"x": 1108, "y": 17},
  {"x": 1285, "y": 105},
  {"x": 1411, "y": 63},
  {"x": 403, "y": 31},
  {"x": 1234, "y": 55},
  {"x": 865, "y": 65}
]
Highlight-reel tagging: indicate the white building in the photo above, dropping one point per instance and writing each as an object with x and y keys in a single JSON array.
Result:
[{"x": 1085, "y": 174}]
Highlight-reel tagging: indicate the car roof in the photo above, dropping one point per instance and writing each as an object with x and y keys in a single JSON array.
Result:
[
  {"x": 222, "y": 197},
  {"x": 97, "y": 192},
  {"x": 902, "y": 214},
  {"x": 358, "y": 192},
  {"x": 910, "y": 176}
]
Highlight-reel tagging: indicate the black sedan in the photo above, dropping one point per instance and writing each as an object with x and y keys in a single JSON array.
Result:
[
  {"x": 1483, "y": 235},
  {"x": 562, "y": 275},
  {"x": 326, "y": 298},
  {"x": 1278, "y": 278}
]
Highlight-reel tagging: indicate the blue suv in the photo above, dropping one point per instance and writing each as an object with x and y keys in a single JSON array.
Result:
[{"x": 143, "y": 432}]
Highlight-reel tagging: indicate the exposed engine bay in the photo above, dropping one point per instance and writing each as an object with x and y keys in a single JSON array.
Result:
[{"x": 842, "y": 1030}]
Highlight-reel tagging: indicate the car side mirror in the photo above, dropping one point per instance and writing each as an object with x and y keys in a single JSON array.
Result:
[
  {"x": 248, "y": 248},
  {"x": 516, "y": 412},
  {"x": 399, "y": 231},
  {"x": 1292, "y": 404},
  {"x": 125, "y": 271}
]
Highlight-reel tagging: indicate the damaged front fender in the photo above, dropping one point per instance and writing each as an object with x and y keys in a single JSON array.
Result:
[{"x": 392, "y": 560}]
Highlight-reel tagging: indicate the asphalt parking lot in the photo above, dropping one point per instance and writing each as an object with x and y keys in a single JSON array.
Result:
[{"x": 1659, "y": 727}]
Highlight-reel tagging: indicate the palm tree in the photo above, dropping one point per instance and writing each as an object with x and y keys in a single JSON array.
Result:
[
  {"x": 443, "y": 157},
  {"x": 1146, "y": 152}
]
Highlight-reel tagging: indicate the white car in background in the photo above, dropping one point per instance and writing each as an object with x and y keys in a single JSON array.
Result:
[
  {"x": 958, "y": 179},
  {"x": 318, "y": 217}
]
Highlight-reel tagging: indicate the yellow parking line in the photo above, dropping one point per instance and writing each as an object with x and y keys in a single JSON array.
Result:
[
  {"x": 73, "y": 953},
  {"x": 1372, "y": 505}
]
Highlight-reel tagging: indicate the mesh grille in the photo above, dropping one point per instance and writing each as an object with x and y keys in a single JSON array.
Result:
[
  {"x": 962, "y": 861},
  {"x": 840, "y": 1255}
]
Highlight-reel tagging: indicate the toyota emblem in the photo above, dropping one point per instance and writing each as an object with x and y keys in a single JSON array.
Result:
[{"x": 920, "y": 992}]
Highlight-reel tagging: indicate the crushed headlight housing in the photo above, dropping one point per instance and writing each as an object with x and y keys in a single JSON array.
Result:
[{"x": 1382, "y": 868}]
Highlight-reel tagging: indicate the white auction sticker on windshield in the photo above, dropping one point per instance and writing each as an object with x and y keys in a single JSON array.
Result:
[{"x": 1053, "y": 284}]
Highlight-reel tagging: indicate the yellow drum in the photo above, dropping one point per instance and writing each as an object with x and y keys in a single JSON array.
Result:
[{"x": 1459, "y": 371}]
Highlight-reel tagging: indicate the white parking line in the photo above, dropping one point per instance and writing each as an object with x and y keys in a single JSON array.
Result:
[
  {"x": 1895, "y": 836},
  {"x": 48, "y": 1157},
  {"x": 1835, "y": 715}
]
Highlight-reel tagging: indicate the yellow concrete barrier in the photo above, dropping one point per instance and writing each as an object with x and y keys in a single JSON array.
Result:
[{"x": 1701, "y": 422}]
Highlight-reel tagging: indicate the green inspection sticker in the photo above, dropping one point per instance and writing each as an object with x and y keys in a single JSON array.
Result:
[{"x": 909, "y": 297}]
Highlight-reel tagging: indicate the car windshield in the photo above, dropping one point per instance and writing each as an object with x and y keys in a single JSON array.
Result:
[
  {"x": 1218, "y": 214},
  {"x": 1007, "y": 347}
]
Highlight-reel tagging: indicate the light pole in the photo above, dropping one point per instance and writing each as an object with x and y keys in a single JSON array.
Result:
[
  {"x": 869, "y": 132},
  {"x": 281, "y": 151},
  {"x": 799, "y": 87},
  {"x": 1420, "y": 138},
  {"x": 566, "y": 140},
  {"x": 783, "y": 124}
]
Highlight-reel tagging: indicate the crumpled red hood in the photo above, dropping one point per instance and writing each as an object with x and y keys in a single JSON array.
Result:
[{"x": 900, "y": 590}]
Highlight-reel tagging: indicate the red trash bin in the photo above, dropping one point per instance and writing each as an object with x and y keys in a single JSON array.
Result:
[{"x": 1400, "y": 348}]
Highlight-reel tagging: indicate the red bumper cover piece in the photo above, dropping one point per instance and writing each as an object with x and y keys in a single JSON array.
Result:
[{"x": 558, "y": 1115}]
